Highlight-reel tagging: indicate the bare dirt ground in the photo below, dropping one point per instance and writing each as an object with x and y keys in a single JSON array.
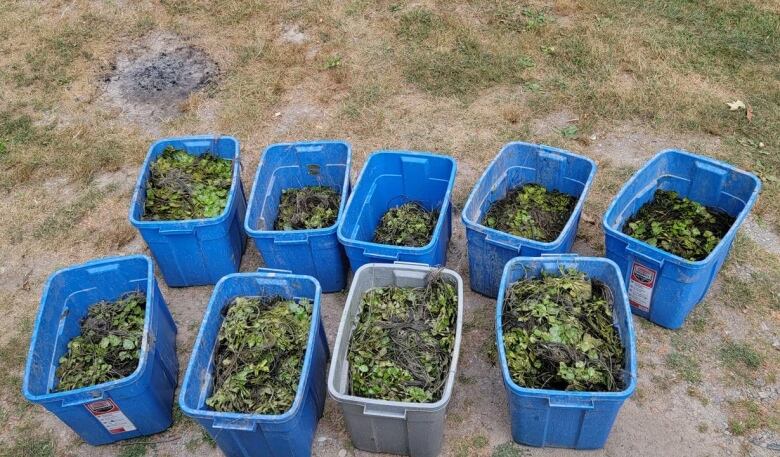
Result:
[{"x": 86, "y": 86}]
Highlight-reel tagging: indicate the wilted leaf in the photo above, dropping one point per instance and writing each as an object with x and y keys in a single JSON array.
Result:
[
  {"x": 749, "y": 113},
  {"x": 736, "y": 105},
  {"x": 570, "y": 131}
]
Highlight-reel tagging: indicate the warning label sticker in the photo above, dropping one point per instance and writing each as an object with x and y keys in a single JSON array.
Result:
[
  {"x": 640, "y": 286},
  {"x": 109, "y": 414}
]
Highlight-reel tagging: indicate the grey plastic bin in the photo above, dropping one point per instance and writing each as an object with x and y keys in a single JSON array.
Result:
[{"x": 414, "y": 429}]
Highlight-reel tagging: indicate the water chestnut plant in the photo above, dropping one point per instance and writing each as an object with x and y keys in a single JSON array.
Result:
[
  {"x": 109, "y": 345},
  {"x": 183, "y": 186},
  {"x": 259, "y": 355},
  {"x": 678, "y": 225},
  {"x": 407, "y": 225},
  {"x": 402, "y": 343},
  {"x": 531, "y": 211},
  {"x": 559, "y": 334},
  {"x": 311, "y": 207}
]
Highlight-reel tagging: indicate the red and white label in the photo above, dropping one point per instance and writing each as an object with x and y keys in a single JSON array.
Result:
[
  {"x": 109, "y": 414},
  {"x": 640, "y": 286}
]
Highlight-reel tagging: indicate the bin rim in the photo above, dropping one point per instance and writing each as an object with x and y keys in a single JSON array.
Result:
[
  {"x": 257, "y": 233},
  {"x": 542, "y": 245},
  {"x": 104, "y": 386},
  {"x": 666, "y": 255},
  {"x": 297, "y": 404},
  {"x": 578, "y": 395},
  {"x": 139, "y": 222},
  {"x": 445, "y": 205},
  {"x": 449, "y": 385}
]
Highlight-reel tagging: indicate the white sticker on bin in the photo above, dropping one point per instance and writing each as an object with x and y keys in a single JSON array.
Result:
[
  {"x": 640, "y": 286},
  {"x": 110, "y": 416}
]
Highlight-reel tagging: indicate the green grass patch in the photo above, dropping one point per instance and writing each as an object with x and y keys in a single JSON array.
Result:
[
  {"x": 133, "y": 450},
  {"x": 444, "y": 58},
  {"x": 686, "y": 367},
  {"x": 27, "y": 441},
  {"x": 59, "y": 223},
  {"x": 739, "y": 356}
]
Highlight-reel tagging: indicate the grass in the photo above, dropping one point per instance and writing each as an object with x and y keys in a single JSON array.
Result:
[
  {"x": 468, "y": 446},
  {"x": 747, "y": 416},
  {"x": 29, "y": 443},
  {"x": 510, "y": 449},
  {"x": 133, "y": 450}
]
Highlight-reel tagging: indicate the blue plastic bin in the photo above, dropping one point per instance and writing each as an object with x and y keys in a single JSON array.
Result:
[
  {"x": 316, "y": 252},
  {"x": 390, "y": 179},
  {"x": 663, "y": 287},
  {"x": 556, "y": 418},
  {"x": 197, "y": 251},
  {"x": 517, "y": 164},
  {"x": 248, "y": 435},
  {"x": 137, "y": 405}
]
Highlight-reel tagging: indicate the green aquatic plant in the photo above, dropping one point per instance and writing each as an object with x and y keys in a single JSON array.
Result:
[
  {"x": 678, "y": 225},
  {"x": 259, "y": 355},
  {"x": 311, "y": 207},
  {"x": 402, "y": 343},
  {"x": 531, "y": 211},
  {"x": 183, "y": 186},
  {"x": 407, "y": 225},
  {"x": 559, "y": 334},
  {"x": 109, "y": 345}
]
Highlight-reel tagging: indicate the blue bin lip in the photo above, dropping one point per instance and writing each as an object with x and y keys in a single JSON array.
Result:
[
  {"x": 541, "y": 245},
  {"x": 575, "y": 395},
  {"x": 137, "y": 220},
  {"x": 444, "y": 206},
  {"x": 668, "y": 256},
  {"x": 307, "y": 360},
  {"x": 254, "y": 233},
  {"x": 105, "y": 386}
]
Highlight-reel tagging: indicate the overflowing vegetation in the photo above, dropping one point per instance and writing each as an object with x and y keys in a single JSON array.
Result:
[
  {"x": 183, "y": 186},
  {"x": 407, "y": 225},
  {"x": 310, "y": 207},
  {"x": 109, "y": 345},
  {"x": 559, "y": 334},
  {"x": 678, "y": 225},
  {"x": 259, "y": 355},
  {"x": 401, "y": 347},
  {"x": 531, "y": 211}
]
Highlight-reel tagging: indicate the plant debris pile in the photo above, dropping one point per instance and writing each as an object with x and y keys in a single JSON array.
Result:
[
  {"x": 558, "y": 334},
  {"x": 310, "y": 207},
  {"x": 183, "y": 186},
  {"x": 259, "y": 355},
  {"x": 683, "y": 227},
  {"x": 109, "y": 345},
  {"x": 531, "y": 211},
  {"x": 402, "y": 343},
  {"x": 407, "y": 225}
]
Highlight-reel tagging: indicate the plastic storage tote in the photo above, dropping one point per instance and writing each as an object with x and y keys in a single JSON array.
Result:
[
  {"x": 663, "y": 287},
  {"x": 414, "y": 429},
  {"x": 196, "y": 251},
  {"x": 517, "y": 164},
  {"x": 390, "y": 179},
  {"x": 315, "y": 252},
  {"x": 556, "y": 418},
  {"x": 284, "y": 435},
  {"x": 136, "y": 405}
]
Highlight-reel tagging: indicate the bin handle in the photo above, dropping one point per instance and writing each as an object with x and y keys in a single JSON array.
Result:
[
  {"x": 558, "y": 401},
  {"x": 178, "y": 231},
  {"x": 387, "y": 412},
  {"x": 87, "y": 397},
  {"x": 273, "y": 270},
  {"x": 309, "y": 148},
  {"x": 103, "y": 268},
  {"x": 502, "y": 244},
  {"x": 297, "y": 238},
  {"x": 645, "y": 258},
  {"x": 411, "y": 264},
  {"x": 224, "y": 423},
  {"x": 377, "y": 255},
  {"x": 562, "y": 256}
]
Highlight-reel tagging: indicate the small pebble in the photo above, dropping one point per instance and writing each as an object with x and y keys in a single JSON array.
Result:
[{"x": 343, "y": 453}]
